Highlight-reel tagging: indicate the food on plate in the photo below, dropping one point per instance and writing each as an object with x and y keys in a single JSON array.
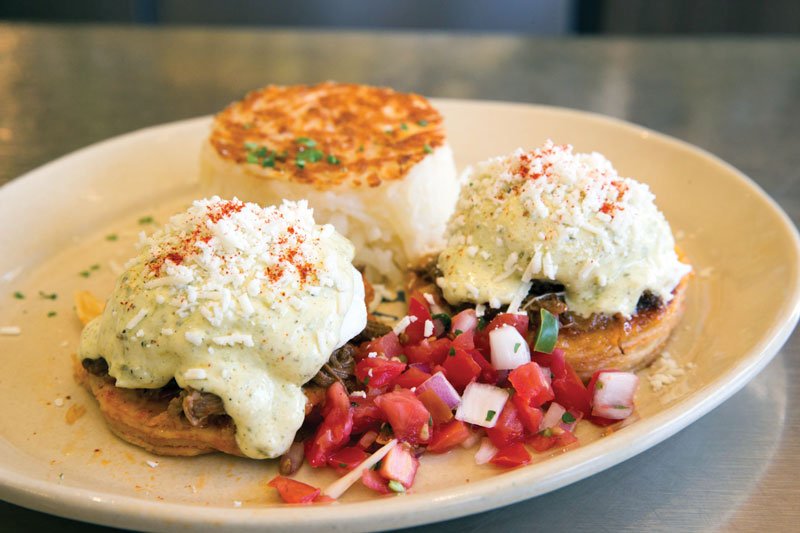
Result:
[
  {"x": 214, "y": 327},
  {"x": 373, "y": 162},
  {"x": 562, "y": 231}
]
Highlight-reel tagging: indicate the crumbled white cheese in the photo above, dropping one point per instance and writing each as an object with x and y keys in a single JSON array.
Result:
[
  {"x": 58, "y": 402},
  {"x": 195, "y": 337},
  {"x": 233, "y": 339},
  {"x": 10, "y": 330},
  {"x": 152, "y": 464},
  {"x": 428, "y": 329},
  {"x": 404, "y": 322}
]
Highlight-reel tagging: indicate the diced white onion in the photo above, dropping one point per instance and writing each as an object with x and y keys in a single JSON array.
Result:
[
  {"x": 552, "y": 417},
  {"x": 338, "y": 487},
  {"x": 485, "y": 452},
  {"x": 613, "y": 395},
  {"x": 508, "y": 348},
  {"x": 481, "y": 404}
]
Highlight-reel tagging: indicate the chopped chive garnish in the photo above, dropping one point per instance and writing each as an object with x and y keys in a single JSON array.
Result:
[
  {"x": 567, "y": 418},
  {"x": 51, "y": 314},
  {"x": 18, "y": 295},
  {"x": 404, "y": 126},
  {"x": 427, "y": 148},
  {"x": 146, "y": 220},
  {"x": 85, "y": 273},
  {"x": 332, "y": 159},
  {"x": 490, "y": 415},
  {"x": 305, "y": 141},
  {"x": 422, "y": 122},
  {"x": 516, "y": 347},
  {"x": 444, "y": 318},
  {"x": 250, "y": 146},
  {"x": 396, "y": 486},
  {"x": 252, "y": 158},
  {"x": 452, "y": 351},
  {"x": 50, "y": 296},
  {"x": 112, "y": 237},
  {"x": 548, "y": 332}
]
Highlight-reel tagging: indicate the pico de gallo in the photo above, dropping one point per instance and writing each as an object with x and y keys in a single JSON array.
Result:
[{"x": 438, "y": 382}]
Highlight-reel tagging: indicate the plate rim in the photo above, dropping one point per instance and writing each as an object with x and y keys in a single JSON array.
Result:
[{"x": 127, "y": 511}]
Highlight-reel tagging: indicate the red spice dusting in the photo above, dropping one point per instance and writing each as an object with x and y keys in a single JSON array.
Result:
[
  {"x": 175, "y": 257},
  {"x": 217, "y": 212},
  {"x": 610, "y": 208}
]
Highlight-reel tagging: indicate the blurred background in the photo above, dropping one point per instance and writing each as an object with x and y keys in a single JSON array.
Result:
[{"x": 543, "y": 17}]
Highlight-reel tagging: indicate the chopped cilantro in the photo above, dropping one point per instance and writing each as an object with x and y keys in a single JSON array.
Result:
[
  {"x": 422, "y": 122},
  {"x": 403, "y": 358},
  {"x": 51, "y": 314},
  {"x": 146, "y": 220},
  {"x": 250, "y": 146},
  {"x": 342, "y": 465},
  {"x": 84, "y": 273},
  {"x": 305, "y": 141},
  {"x": 112, "y": 237},
  {"x": 458, "y": 332},
  {"x": 598, "y": 385},
  {"x": 18, "y": 295},
  {"x": 94, "y": 267},
  {"x": 46, "y": 296},
  {"x": 620, "y": 407},
  {"x": 252, "y": 158},
  {"x": 481, "y": 323},
  {"x": 490, "y": 415},
  {"x": 567, "y": 418},
  {"x": 445, "y": 320},
  {"x": 404, "y": 126},
  {"x": 332, "y": 159},
  {"x": 396, "y": 486},
  {"x": 546, "y": 432},
  {"x": 269, "y": 160},
  {"x": 427, "y": 149},
  {"x": 516, "y": 347},
  {"x": 308, "y": 156},
  {"x": 366, "y": 381},
  {"x": 452, "y": 351},
  {"x": 301, "y": 163}
]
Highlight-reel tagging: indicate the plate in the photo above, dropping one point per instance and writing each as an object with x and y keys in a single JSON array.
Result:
[{"x": 69, "y": 224}]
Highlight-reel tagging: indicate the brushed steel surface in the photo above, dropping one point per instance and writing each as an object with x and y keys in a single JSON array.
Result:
[{"x": 738, "y": 468}]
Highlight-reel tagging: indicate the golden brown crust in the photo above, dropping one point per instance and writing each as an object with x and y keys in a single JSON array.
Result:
[
  {"x": 613, "y": 342},
  {"x": 148, "y": 422},
  {"x": 374, "y": 133}
]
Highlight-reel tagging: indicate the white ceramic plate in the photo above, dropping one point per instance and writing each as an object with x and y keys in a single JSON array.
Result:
[{"x": 54, "y": 225}]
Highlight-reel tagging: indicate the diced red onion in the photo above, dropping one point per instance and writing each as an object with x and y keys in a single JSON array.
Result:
[
  {"x": 569, "y": 426},
  {"x": 485, "y": 452},
  {"x": 425, "y": 367},
  {"x": 613, "y": 394},
  {"x": 442, "y": 388},
  {"x": 552, "y": 417},
  {"x": 464, "y": 321},
  {"x": 481, "y": 404},
  {"x": 509, "y": 348}
]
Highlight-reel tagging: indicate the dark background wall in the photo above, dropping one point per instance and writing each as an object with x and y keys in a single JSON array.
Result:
[{"x": 519, "y": 16}]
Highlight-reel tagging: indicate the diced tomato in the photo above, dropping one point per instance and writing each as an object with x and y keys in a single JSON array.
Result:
[
  {"x": 542, "y": 441},
  {"x": 399, "y": 465},
  {"x": 430, "y": 351},
  {"x": 488, "y": 373},
  {"x": 373, "y": 480},
  {"x": 388, "y": 345},
  {"x": 464, "y": 321},
  {"x": 413, "y": 377},
  {"x": 567, "y": 387},
  {"x": 530, "y": 416},
  {"x": 324, "y": 498},
  {"x": 293, "y": 491},
  {"x": 406, "y": 414},
  {"x": 347, "y": 459},
  {"x": 530, "y": 383},
  {"x": 512, "y": 455},
  {"x": 366, "y": 415},
  {"x": 464, "y": 341},
  {"x": 334, "y": 431},
  {"x": 439, "y": 410},
  {"x": 555, "y": 361},
  {"x": 448, "y": 436},
  {"x": 461, "y": 369},
  {"x": 415, "y": 331},
  {"x": 508, "y": 429},
  {"x": 378, "y": 372}
]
